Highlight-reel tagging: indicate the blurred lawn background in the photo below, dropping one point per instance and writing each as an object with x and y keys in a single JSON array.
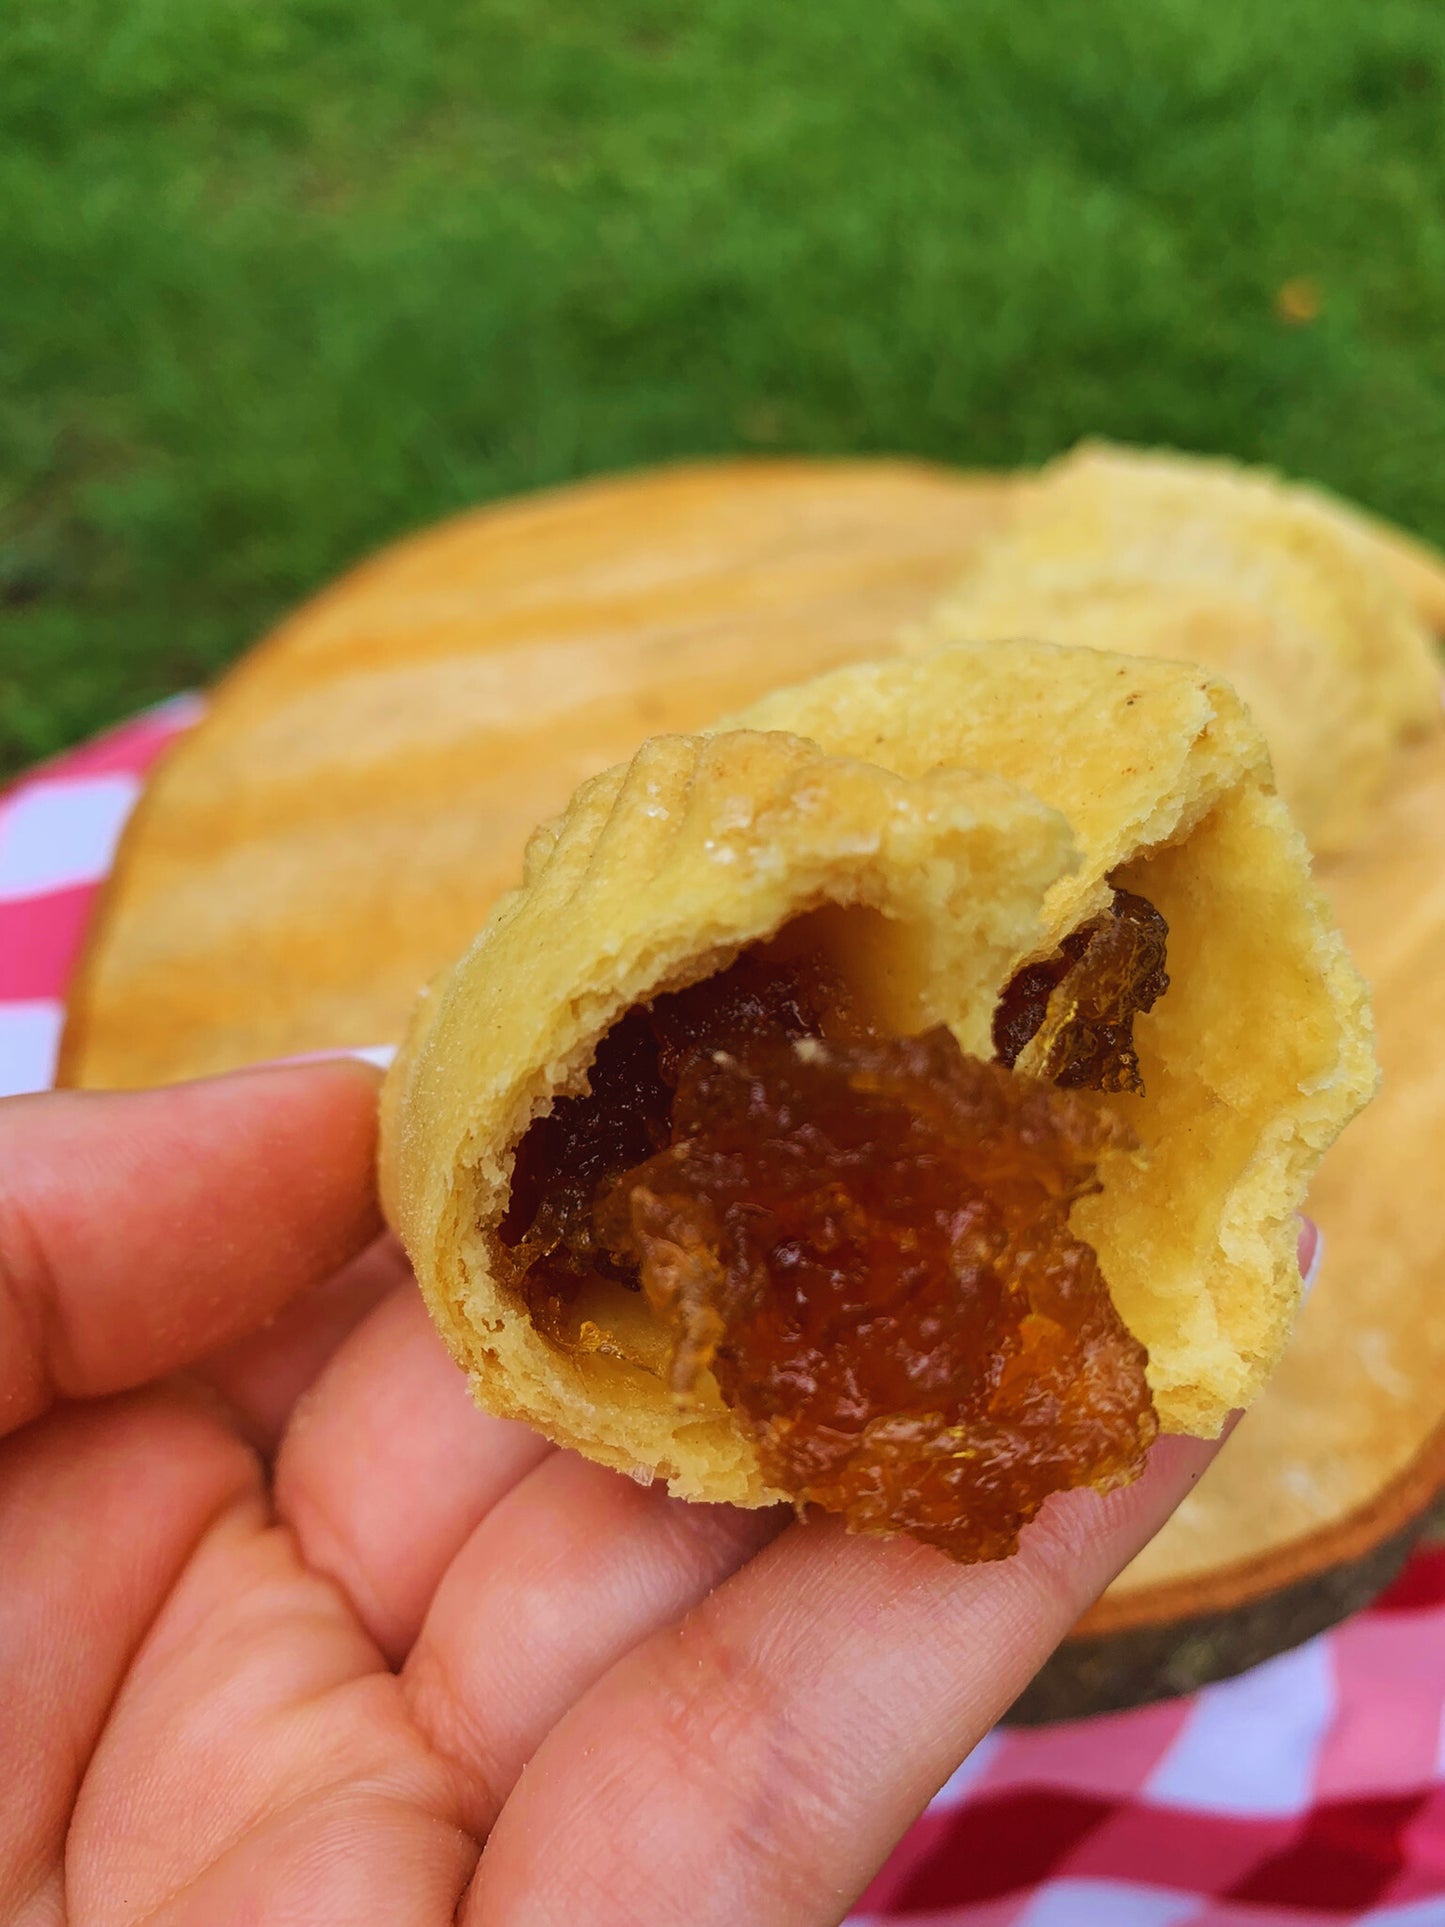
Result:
[{"x": 280, "y": 279}]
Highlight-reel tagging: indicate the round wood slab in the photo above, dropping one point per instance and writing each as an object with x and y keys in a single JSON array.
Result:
[{"x": 335, "y": 829}]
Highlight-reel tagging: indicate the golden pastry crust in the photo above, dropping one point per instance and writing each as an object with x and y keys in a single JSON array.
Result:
[
  {"x": 1280, "y": 589},
  {"x": 851, "y": 791},
  {"x": 658, "y": 873}
]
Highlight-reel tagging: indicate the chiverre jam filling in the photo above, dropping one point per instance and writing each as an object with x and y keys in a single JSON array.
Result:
[
  {"x": 863, "y": 1238},
  {"x": 567, "y": 1159}
]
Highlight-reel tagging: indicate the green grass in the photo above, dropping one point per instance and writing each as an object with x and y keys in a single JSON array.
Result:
[{"x": 281, "y": 278}]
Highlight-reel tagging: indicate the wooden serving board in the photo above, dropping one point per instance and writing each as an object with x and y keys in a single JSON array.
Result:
[{"x": 336, "y": 828}]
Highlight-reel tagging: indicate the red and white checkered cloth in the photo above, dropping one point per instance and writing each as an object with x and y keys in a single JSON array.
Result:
[{"x": 1307, "y": 1793}]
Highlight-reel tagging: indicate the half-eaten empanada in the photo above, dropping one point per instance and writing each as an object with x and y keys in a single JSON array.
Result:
[{"x": 896, "y": 1100}]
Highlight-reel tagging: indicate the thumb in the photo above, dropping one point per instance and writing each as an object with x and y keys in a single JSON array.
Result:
[{"x": 140, "y": 1230}]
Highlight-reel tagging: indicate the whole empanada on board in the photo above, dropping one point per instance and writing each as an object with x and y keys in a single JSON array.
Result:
[
  {"x": 1282, "y": 590},
  {"x": 962, "y": 812}
]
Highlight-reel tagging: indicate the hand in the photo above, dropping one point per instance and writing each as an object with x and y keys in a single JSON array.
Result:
[{"x": 288, "y": 1629}]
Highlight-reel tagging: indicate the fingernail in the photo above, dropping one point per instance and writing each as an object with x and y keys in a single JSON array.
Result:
[
  {"x": 1311, "y": 1249},
  {"x": 378, "y": 1054}
]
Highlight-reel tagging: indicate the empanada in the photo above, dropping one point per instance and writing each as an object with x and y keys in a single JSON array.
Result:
[
  {"x": 1278, "y": 588},
  {"x": 740, "y": 1039}
]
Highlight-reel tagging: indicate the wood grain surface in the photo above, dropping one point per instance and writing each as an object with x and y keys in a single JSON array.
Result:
[{"x": 335, "y": 830}]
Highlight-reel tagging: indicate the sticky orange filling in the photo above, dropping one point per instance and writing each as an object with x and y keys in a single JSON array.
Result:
[{"x": 863, "y": 1238}]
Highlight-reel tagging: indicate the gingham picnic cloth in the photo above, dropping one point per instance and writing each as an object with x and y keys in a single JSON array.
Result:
[{"x": 1307, "y": 1793}]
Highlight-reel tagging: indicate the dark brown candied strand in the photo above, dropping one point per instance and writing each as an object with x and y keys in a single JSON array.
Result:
[
  {"x": 549, "y": 1230},
  {"x": 1104, "y": 973},
  {"x": 764, "y": 995},
  {"x": 567, "y": 1157},
  {"x": 869, "y": 1244}
]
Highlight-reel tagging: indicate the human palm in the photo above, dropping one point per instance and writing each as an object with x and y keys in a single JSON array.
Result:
[{"x": 290, "y": 1632}]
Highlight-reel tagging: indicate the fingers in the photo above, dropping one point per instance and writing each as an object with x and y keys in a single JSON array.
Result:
[
  {"x": 139, "y": 1231},
  {"x": 758, "y": 1761},
  {"x": 257, "y": 1763},
  {"x": 387, "y": 1467},
  {"x": 99, "y": 1509},
  {"x": 261, "y": 1376},
  {"x": 568, "y": 1572},
  {"x": 544, "y": 1568},
  {"x": 351, "y": 1858}
]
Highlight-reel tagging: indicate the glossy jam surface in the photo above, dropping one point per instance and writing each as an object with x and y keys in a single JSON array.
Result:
[
  {"x": 1105, "y": 973},
  {"x": 864, "y": 1238},
  {"x": 868, "y": 1244},
  {"x": 567, "y": 1159}
]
